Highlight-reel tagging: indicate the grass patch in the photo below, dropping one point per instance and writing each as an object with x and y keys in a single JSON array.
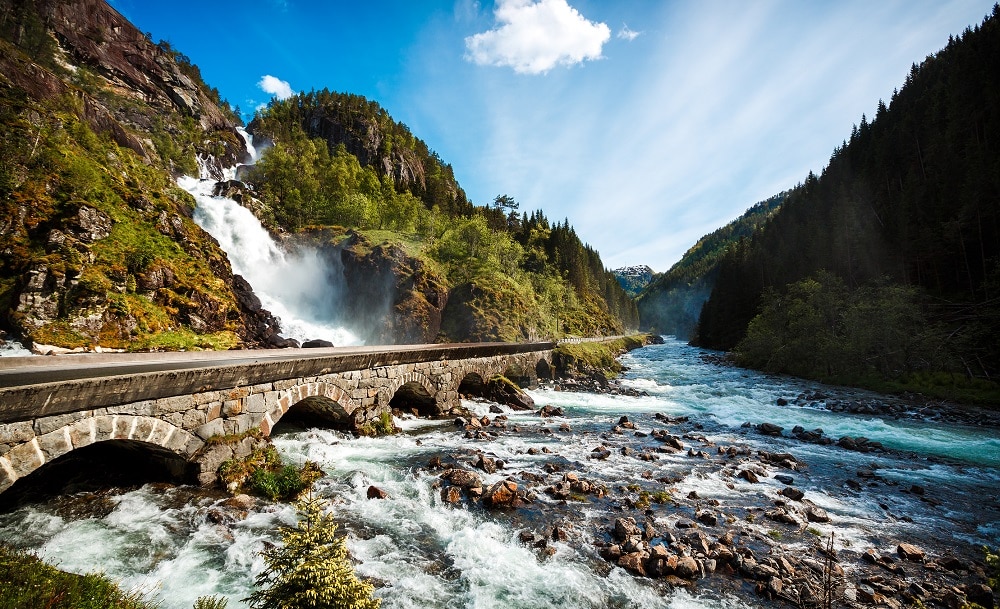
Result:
[
  {"x": 382, "y": 426},
  {"x": 602, "y": 355},
  {"x": 184, "y": 339},
  {"x": 27, "y": 581},
  {"x": 775, "y": 534},
  {"x": 263, "y": 474}
]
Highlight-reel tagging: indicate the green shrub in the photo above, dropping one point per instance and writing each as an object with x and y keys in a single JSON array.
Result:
[
  {"x": 27, "y": 581},
  {"x": 311, "y": 568}
]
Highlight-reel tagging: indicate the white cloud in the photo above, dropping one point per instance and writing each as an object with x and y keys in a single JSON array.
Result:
[
  {"x": 275, "y": 86},
  {"x": 626, "y": 33},
  {"x": 534, "y": 37}
]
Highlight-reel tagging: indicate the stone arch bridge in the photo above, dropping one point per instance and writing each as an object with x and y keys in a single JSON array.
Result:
[{"x": 192, "y": 411}]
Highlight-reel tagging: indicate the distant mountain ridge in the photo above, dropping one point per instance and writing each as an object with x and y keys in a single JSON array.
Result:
[
  {"x": 672, "y": 301},
  {"x": 634, "y": 279}
]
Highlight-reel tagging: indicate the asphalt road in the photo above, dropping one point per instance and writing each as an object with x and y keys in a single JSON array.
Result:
[{"x": 24, "y": 371}]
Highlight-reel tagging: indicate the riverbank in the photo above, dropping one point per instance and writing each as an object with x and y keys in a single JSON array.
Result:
[{"x": 578, "y": 481}]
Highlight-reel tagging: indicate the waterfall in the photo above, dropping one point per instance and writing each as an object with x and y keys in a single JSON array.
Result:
[{"x": 300, "y": 287}]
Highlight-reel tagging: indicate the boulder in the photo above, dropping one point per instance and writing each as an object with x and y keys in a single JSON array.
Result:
[
  {"x": 375, "y": 492},
  {"x": 316, "y": 343},
  {"x": 462, "y": 478},
  {"x": 816, "y": 514},
  {"x": 792, "y": 493},
  {"x": 500, "y": 494},
  {"x": 770, "y": 429},
  {"x": 910, "y": 552},
  {"x": 749, "y": 476},
  {"x": 625, "y": 528},
  {"x": 451, "y": 494},
  {"x": 502, "y": 391},
  {"x": 634, "y": 562},
  {"x": 687, "y": 568},
  {"x": 486, "y": 464}
]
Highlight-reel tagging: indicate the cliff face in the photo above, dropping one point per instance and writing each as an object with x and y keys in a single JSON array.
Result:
[
  {"x": 388, "y": 296},
  {"x": 97, "y": 245}
]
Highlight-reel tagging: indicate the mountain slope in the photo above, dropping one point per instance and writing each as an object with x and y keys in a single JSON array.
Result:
[
  {"x": 97, "y": 245},
  {"x": 911, "y": 200},
  {"x": 672, "y": 302}
]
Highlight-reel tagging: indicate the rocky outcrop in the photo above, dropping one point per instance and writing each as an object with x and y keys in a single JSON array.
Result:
[
  {"x": 95, "y": 249},
  {"x": 388, "y": 296}
]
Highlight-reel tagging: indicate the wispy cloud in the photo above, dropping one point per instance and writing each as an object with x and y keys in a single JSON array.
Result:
[
  {"x": 275, "y": 86},
  {"x": 627, "y": 33},
  {"x": 534, "y": 37}
]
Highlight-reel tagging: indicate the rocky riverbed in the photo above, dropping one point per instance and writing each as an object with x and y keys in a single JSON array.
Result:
[{"x": 689, "y": 487}]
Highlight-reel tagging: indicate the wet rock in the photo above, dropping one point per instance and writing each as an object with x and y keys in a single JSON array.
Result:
[
  {"x": 501, "y": 494},
  {"x": 980, "y": 594},
  {"x": 551, "y": 411},
  {"x": 770, "y": 429},
  {"x": 816, "y": 514},
  {"x": 316, "y": 344},
  {"x": 749, "y": 476},
  {"x": 375, "y": 492},
  {"x": 462, "y": 478},
  {"x": 707, "y": 518},
  {"x": 503, "y": 391},
  {"x": 684, "y": 523},
  {"x": 451, "y": 494},
  {"x": 782, "y": 515},
  {"x": 486, "y": 464},
  {"x": 687, "y": 568},
  {"x": 792, "y": 493},
  {"x": 634, "y": 562},
  {"x": 784, "y": 479},
  {"x": 910, "y": 552},
  {"x": 600, "y": 453},
  {"x": 625, "y": 528}
]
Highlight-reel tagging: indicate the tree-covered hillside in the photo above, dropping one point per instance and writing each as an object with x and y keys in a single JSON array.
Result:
[
  {"x": 886, "y": 265},
  {"x": 672, "y": 302},
  {"x": 338, "y": 159},
  {"x": 97, "y": 244}
]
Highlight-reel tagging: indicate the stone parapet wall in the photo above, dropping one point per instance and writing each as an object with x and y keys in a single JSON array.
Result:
[{"x": 182, "y": 424}]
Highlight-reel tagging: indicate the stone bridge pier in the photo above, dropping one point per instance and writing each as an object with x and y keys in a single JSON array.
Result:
[{"x": 194, "y": 419}]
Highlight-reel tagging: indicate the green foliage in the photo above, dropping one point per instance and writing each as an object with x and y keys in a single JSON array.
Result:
[
  {"x": 26, "y": 581},
  {"x": 910, "y": 196},
  {"x": 543, "y": 276},
  {"x": 311, "y": 568},
  {"x": 211, "y": 602},
  {"x": 596, "y": 355},
  {"x": 382, "y": 426},
  {"x": 262, "y": 473},
  {"x": 992, "y": 558}
]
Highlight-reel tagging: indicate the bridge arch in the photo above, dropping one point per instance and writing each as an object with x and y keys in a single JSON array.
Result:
[
  {"x": 138, "y": 432},
  {"x": 410, "y": 391},
  {"x": 316, "y": 403}
]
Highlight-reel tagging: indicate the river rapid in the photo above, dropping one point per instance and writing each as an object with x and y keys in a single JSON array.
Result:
[{"x": 178, "y": 543}]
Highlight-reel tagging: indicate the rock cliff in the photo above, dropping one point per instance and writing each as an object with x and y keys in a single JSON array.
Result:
[{"x": 97, "y": 245}]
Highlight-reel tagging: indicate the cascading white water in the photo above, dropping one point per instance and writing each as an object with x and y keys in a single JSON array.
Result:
[
  {"x": 430, "y": 554},
  {"x": 299, "y": 287}
]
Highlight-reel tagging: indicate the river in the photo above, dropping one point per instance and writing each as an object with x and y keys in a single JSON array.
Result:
[{"x": 422, "y": 552}]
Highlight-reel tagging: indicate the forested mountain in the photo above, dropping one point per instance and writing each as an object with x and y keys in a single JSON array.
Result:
[
  {"x": 672, "y": 302},
  {"x": 885, "y": 265},
  {"x": 97, "y": 243},
  {"x": 511, "y": 276}
]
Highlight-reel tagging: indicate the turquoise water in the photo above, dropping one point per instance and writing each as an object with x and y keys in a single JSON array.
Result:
[{"x": 425, "y": 553}]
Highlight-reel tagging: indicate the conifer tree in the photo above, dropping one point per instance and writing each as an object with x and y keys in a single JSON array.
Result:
[{"x": 311, "y": 568}]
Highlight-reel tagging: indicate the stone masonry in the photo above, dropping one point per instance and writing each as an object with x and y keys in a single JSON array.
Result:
[{"x": 182, "y": 424}]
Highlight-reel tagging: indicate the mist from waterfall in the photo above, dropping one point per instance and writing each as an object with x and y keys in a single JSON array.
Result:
[{"x": 300, "y": 286}]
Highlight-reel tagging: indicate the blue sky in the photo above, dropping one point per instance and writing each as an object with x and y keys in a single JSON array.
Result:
[{"x": 647, "y": 123}]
